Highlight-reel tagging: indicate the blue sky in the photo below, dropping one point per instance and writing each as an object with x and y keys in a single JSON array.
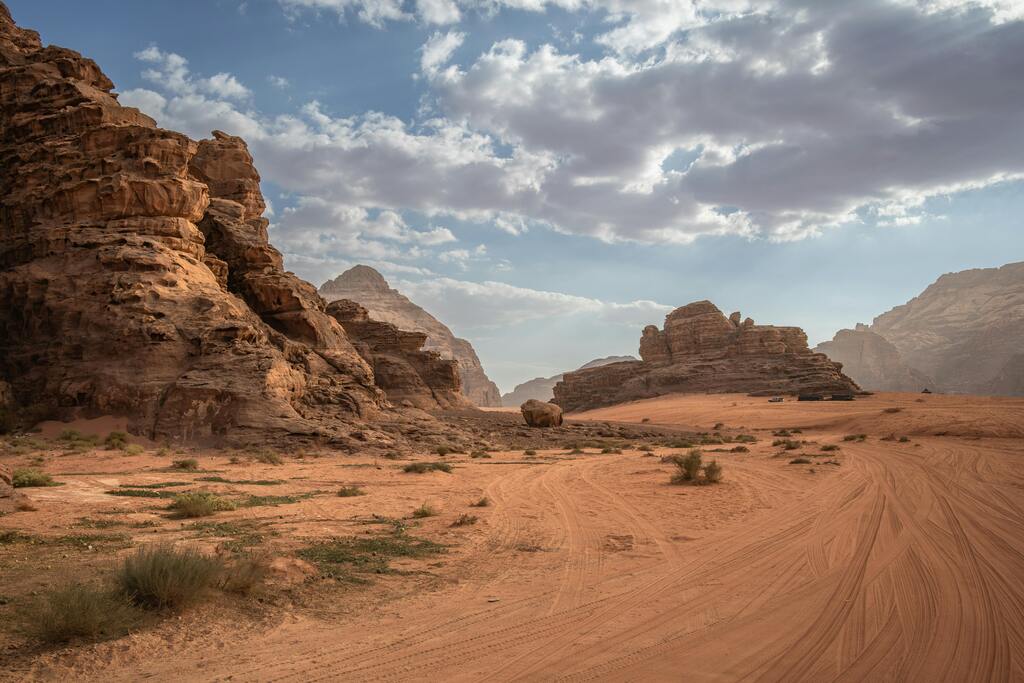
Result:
[{"x": 548, "y": 176}]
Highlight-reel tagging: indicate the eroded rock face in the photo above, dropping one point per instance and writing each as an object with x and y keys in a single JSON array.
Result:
[
  {"x": 542, "y": 388},
  {"x": 539, "y": 414},
  {"x": 137, "y": 277},
  {"x": 408, "y": 375},
  {"x": 367, "y": 287},
  {"x": 964, "y": 330},
  {"x": 700, "y": 350},
  {"x": 873, "y": 362}
]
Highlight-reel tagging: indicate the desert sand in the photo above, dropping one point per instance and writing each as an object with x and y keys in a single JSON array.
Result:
[{"x": 883, "y": 560}]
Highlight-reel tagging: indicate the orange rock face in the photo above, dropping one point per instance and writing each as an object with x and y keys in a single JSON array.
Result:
[
  {"x": 701, "y": 350},
  {"x": 137, "y": 276}
]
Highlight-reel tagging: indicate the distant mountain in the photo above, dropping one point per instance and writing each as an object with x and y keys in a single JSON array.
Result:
[
  {"x": 367, "y": 287},
  {"x": 542, "y": 388},
  {"x": 962, "y": 334},
  {"x": 873, "y": 362}
]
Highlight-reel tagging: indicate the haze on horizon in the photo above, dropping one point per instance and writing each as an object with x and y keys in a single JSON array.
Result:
[{"x": 546, "y": 178}]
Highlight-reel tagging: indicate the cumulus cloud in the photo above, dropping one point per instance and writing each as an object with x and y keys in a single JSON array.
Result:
[{"x": 438, "y": 50}]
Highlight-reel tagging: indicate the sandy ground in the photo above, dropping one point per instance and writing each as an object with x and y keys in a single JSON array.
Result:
[{"x": 899, "y": 561}]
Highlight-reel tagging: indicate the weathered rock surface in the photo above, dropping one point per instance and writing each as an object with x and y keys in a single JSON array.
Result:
[
  {"x": 10, "y": 498},
  {"x": 873, "y": 362},
  {"x": 137, "y": 278},
  {"x": 702, "y": 351},
  {"x": 542, "y": 388},
  {"x": 540, "y": 414},
  {"x": 367, "y": 287},
  {"x": 408, "y": 375},
  {"x": 964, "y": 330}
]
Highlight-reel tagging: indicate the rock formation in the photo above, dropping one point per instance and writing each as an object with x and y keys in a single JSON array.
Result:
[
  {"x": 366, "y": 286},
  {"x": 964, "y": 330},
  {"x": 542, "y": 388},
  {"x": 539, "y": 414},
  {"x": 408, "y": 375},
  {"x": 873, "y": 362},
  {"x": 137, "y": 278},
  {"x": 701, "y": 350}
]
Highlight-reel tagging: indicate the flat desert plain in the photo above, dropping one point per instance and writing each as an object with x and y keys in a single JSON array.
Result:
[{"x": 892, "y": 550}]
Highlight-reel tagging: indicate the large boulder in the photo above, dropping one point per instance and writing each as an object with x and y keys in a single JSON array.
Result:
[{"x": 538, "y": 414}]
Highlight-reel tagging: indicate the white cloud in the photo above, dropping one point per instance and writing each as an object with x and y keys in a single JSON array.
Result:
[
  {"x": 438, "y": 11},
  {"x": 225, "y": 85},
  {"x": 438, "y": 50},
  {"x": 279, "y": 82}
]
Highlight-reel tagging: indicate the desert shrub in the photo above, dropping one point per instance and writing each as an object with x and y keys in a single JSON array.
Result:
[
  {"x": 480, "y": 454},
  {"x": 609, "y": 450},
  {"x": 796, "y": 431},
  {"x": 185, "y": 464},
  {"x": 465, "y": 520},
  {"x": 786, "y": 444},
  {"x": 424, "y": 510},
  {"x": 423, "y": 467},
  {"x": 235, "y": 460},
  {"x": 829, "y": 447},
  {"x": 718, "y": 425},
  {"x": 164, "y": 577},
  {"x": 134, "y": 449},
  {"x": 482, "y": 503},
  {"x": 25, "y": 477},
  {"x": 116, "y": 441},
  {"x": 78, "y": 610},
  {"x": 391, "y": 455},
  {"x": 645, "y": 449},
  {"x": 746, "y": 438},
  {"x": 892, "y": 410},
  {"x": 855, "y": 437},
  {"x": 781, "y": 432},
  {"x": 646, "y": 420},
  {"x": 529, "y": 451},
  {"x": 442, "y": 450},
  {"x": 689, "y": 467},
  {"x": 712, "y": 472},
  {"x": 904, "y": 439},
  {"x": 739, "y": 449},
  {"x": 199, "y": 504},
  {"x": 800, "y": 461},
  {"x": 269, "y": 458},
  {"x": 243, "y": 574},
  {"x": 350, "y": 491}
]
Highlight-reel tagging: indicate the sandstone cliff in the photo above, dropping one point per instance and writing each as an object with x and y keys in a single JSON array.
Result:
[
  {"x": 542, "y": 388},
  {"x": 964, "y": 330},
  {"x": 367, "y": 287},
  {"x": 701, "y": 350},
  {"x": 408, "y": 375},
  {"x": 137, "y": 278},
  {"x": 873, "y": 362}
]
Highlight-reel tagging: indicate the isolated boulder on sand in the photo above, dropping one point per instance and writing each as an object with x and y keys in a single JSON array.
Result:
[{"x": 539, "y": 414}]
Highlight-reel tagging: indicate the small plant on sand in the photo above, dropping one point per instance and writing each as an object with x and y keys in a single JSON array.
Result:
[
  {"x": 479, "y": 454},
  {"x": 577, "y": 451},
  {"x": 25, "y": 477},
  {"x": 781, "y": 432},
  {"x": 350, "y": 492},
  {"x": 689, "y": 467},
  {"x": 904, "y": 439},
  {"x": 268, "y": 458},
  {"x": 855, "y": 437},
  {"x": 529, "y": 451},
  {"x": 892, "y": 410},
  {"x": 786, "y": 444},
  {"x": 800, "y": 461},
  {"x": 442, "y": 450},
  {"x": 609, "y": 450},
  {"x": 134, "y": 449},
  {"x": 424, "y": 510},
  {"x": 712, "y": 473},
  {"x": 199, "y": 504},
  {"x": 79, "y": 611},
  {"x": 423, "y": 467},
  {"x": 465, "y": 520},
  {"x": 116, "y": 441},
  {"x": 482, "y": 503},
  {"x": 746, "y": 438},
  {"x": 645, "y": 449},
  {"x": 829, "y": 447},
  {"x": 164, "y": 577},
  {"x": 739, "y": 449},
  {"x": 185, "y": 464}
]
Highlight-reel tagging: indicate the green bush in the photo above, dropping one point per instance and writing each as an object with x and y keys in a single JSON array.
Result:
[
  {"x": 442, "y": 450},
  {"x": 424, "y": 510},
  {"x": 712, "y": 472},
  {"x": 739, "y": 449},
  {"x": 164, "y": 577},
  {"x": 269, "y": 458},
  {"x": 350, "y": 492},
  {"x": 199, "y": 504},
  {"x": 689, "y": 467},
  {"x": 25, "y": 477},
  {"x": 800, "y": 461},
  {"x": 855, "y": 437},
  {"x": 529, "y": 451},
  {"x": 116, "y": 441},
  {"x": 746, "y": 438},
  {"x": 829, "y": 447},
  {"x": 786, "y": 444},
  {"x": 185, "y": 464},
  {"x": 422, "y": 467},
  {"x": 78, "y": 610},
  {"x": 134, "y": 449},
  {"x": 904, "y": 439}
]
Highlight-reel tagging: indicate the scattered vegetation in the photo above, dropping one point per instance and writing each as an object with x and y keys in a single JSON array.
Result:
[
  {"x": 892, "y": 410},
  {"x": 712, "y": 472},
  {"x": 800, "y": 461},
  {"x": 829, "y": 447},
  {"x": 350, "y": 492},
  {"x": 786, "y": 444},
  {"x": 692, "y": 465},
  {"x": 482, "y": 503},
  {"x": 162, "y": 577},
  {"x": 423, "y": 467},
  {"x": 465, "y": 520},
  {"x": 79, "y": 611},
  {"x": 199, "y": 504},
  {"x": 268, "y": 458},
  {"x": 341, "y": 557},
  {"x": 855, "y": 437},
  {"x": 25, "y": 477},
  {"x": 442, "y": 450},
  {"x": 245, "y": 482},
  {"x": 645, "y": 449},
  {"x": 904, "y": 439},
  {"x": 141, "y": 493},
  {"x": 272, "y": 501},
  {"x": 577, "y": 451},
  {"x": 424, "y": 510},
  {"x": 134, "y": 449},
  {"x": 529, "y": 451},
  {"x": 116, "y": 441},
  {"x": 480, "y": 454},
  {"x": 609, "y": 450},
  {"x": 746, "y": 438},
  {"x": 185, "y": 464},
  {"x": 739, "y": 449},
  {"x": 76, "y": 441}
]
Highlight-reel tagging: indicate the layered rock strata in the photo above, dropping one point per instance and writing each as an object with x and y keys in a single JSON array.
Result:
[{"x": 700, "y": 350}]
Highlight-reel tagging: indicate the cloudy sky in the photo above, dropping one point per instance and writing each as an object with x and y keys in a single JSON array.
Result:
[{"x": 548, "y": 176}]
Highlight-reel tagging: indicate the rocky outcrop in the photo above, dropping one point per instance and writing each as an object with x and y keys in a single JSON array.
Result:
[
  {"x": 964, "y": 330},
  {"x": 542, "y": 388},
  {"x": 408, "y": 375},
  {"x": 700, "y": 350},
  {"x": 873, "y": 362},
  {"x": 367, "y": 287},
  {"x": 137, "y": 278},
  {"x": 539, "y": 414}
]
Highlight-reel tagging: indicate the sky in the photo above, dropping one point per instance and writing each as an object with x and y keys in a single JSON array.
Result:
[{"x": 549, "y": 176}]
